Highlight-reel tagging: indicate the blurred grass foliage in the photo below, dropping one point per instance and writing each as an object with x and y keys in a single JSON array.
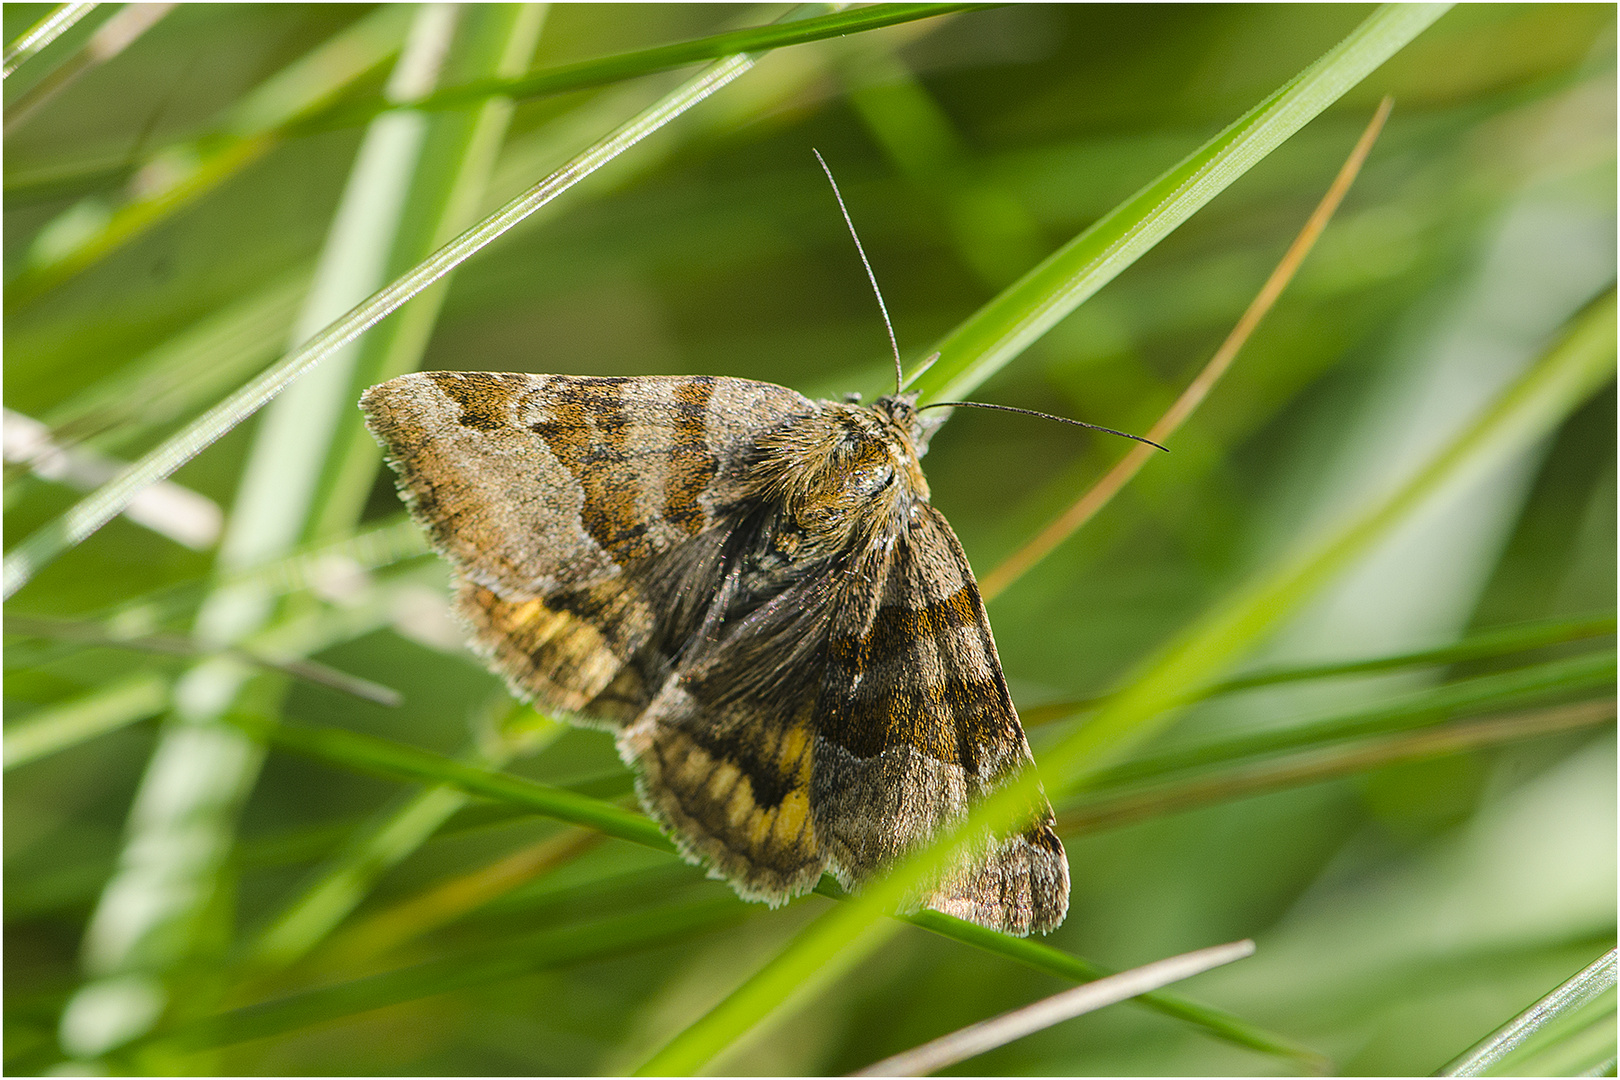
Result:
[{"x": 1421, "y": 848}]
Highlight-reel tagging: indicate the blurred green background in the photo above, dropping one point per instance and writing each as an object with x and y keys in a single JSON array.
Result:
[{"x": 164, "y": 214}]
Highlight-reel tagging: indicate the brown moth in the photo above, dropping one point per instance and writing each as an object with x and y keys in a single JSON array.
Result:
[{"x": 751, "y": 590}]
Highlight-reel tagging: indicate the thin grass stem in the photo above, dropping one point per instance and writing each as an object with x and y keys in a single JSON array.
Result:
[{"x": 1102, "y": 492}]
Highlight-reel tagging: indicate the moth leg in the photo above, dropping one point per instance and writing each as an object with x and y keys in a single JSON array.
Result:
[{"x": 734, "y": 792}]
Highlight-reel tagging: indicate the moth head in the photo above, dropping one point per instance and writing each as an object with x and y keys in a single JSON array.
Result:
[{"x": 845, "y": 470}]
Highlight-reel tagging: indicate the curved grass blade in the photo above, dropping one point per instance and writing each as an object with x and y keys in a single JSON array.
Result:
[
  {"x": 82, "y": 520},
  {"x": 380, "y": 757},
  {"x": 459, "y": 152},
  {"x": 987, "y": 1035},
  {"x": 1244, "y": 779},
  {"x": 1099, "y": 494},
  {"x": 57, "y": 22},
  {"x": 1505, "y": 641},
  {"x": 1586, "y": 985},
  {"x": 630, "y": 65},
  {"x": 1007, "y": 325},
  {"x": 459, "y": 156},
  {"x": 1562, "y": 379}
]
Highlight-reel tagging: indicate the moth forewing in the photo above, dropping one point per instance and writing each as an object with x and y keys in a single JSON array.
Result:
[{"x": 753, "y": 591}]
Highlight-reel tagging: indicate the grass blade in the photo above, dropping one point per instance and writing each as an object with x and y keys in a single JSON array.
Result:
[
  {"x": 110, "y": 38},
  {"x": 1244, "y": 779},
  {"x": 147, "y": 924},
  {"x": 1504, "y": 690},
  {"x": 105, "y": 709},
  {"x": 395, "y": 760},
  {"x": 59, "y": 21},
  {"x": 1582, "y": 988},
  {"x": 311, "y": 671},
  {"x": 1553, "y": 386},
  {"x": 1003, "y": 328},
  {"x": 608, "y": 69},
  {"x": 363, "y": 753},
  {"x": 1041, "y": 957},
  {"x": 987, "y": 1035},
  {"x": 1098, "y": 495},
  {"x": 1488, "y": 644},
  {"x": 247, "y": 132},
  {"x": 507, "y": 960},
  {"x": 71, "y": 529},
  {"x": 1563, "y": 378}
]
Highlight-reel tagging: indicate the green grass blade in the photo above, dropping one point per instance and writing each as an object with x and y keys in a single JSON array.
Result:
[
  {"x": 176, "y": 377},
  {"x": 105, "y": 709},
  {"x": 395, "y": 760},
  {"x": 82, "y": 520},
  {"x": 460, "y": 155},
  {"x": 1503, "y": 641},
  {"x": 1006, "y": 326},
  {"x": 1103, "y": 808},
  {"x": 1559, "y": 381},
  {"x": 367, "y": 754},
  {"x": 95, "y": 635},
  {"x": 112, "y": 37},
  {"x": 1564, "y": 377},
  {"x": 247, "y": 132},
  {"x": 149, "y": 921},
  {"x": 344, "y": 882},
  {"x": 630, "y": 65},
  {"x": 506, "y": 960},
  {"x": 57, "y": 22},
  {"x": 1504, "y": 690},
  {"x": 1583, "y": 988}
]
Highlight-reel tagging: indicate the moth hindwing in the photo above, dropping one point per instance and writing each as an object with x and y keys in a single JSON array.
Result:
[{"x": 751, "y": 590}]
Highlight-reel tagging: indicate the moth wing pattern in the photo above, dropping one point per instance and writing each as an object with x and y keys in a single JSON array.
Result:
[
  {"x": 562, "y": 502},
  {"x": 723, "y": 754},
  {"x": 881, "y": 717},
  {"x": 915, "y": 725}
]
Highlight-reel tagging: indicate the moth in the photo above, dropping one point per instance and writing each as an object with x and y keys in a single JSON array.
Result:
[{"x": 753, "y": 593}]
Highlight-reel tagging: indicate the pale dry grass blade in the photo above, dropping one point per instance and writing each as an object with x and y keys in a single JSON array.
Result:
[{"x": 987, "y": 1035}]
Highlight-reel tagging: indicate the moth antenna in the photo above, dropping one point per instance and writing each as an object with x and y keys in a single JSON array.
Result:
[
  {"x": 1044, "y": 416},
  {"x": 899, "y": 371}
]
